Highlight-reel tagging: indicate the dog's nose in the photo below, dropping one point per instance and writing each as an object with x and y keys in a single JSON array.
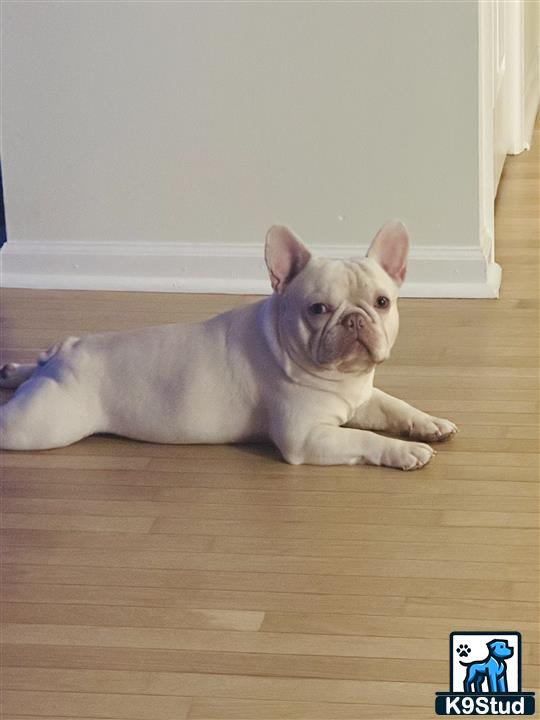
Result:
[
  {"x": 350, "y": 321},
  {"x": 353, "y": 321}
]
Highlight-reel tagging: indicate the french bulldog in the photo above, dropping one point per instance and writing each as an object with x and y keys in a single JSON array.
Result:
[{"x": 296, "y": 368}]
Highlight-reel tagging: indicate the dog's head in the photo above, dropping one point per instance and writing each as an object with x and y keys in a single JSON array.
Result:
[
  {"x": 499, "y": 649},
  {"x": 338, "y": 314}
]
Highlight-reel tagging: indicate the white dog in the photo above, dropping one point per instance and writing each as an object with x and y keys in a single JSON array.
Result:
[{"x": 296, "y": 368}]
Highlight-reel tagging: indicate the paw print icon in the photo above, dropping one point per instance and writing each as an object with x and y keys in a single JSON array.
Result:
[{"x": 463, "y": 650}]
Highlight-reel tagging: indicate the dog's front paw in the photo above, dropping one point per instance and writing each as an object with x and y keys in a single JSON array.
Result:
[
  {"x": 431, "y": 429},
  {"x": 408, "y": 455}
]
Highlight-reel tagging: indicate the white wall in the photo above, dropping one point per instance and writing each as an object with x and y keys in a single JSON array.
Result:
[{"x": 136, "y": 132}]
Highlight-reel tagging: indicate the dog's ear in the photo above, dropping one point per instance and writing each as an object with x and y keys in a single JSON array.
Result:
[
  {"x": 390, "y": 248},
  {"x": 285, "y": 256}
]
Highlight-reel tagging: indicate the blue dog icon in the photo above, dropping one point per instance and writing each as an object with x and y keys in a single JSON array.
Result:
[{"x": 493, "y": 668}]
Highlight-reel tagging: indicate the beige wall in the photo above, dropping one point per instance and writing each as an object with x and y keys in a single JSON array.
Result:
[
  {"x": 532, "y": 30},
  {"x": 531, "y": 23},
  {"x": 206, "y": 122}
]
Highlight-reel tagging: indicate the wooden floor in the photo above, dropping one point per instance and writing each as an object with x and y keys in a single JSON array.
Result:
[{"x": 156, "y": 583}]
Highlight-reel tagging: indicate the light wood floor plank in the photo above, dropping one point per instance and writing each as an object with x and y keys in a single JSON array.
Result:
[
  {"x": 244, "y": 620},
  {"x": 176, "y": 513},
  {"x": 278, "y": 547},
  {"x": 471, "y": 610},
  {"x": 452, "y": 482},
  {"x": 270, "y": 530},
  {"x": 278, "y": 499},
  {"x": 119, "y": 706},
  {"x": 208, "y": 685},
  {"x": 433, "y": 587},
  {"x": 226, "y": 709},
  {"x": 268, "y": 564}
]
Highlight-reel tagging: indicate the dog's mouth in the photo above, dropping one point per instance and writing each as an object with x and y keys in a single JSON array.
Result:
[
  {"x": 375, "y": 354},
  {"x": 359, "y": 355},
  {"x": 364, "y": 346},
  {"x": 346, "y": 352}
]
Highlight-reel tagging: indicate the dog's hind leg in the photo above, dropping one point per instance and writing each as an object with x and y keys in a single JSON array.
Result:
[
  {"x": 14, "y": 374},
  {"x": 44, "y": 414},
  {"x": 478, "y": 684},
  {"x": 468, "y": 683}
]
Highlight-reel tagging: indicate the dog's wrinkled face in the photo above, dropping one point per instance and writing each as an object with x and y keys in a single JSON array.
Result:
[{"x": 335, "y": 314}]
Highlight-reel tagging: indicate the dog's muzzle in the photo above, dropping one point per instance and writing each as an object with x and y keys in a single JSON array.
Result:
[{"x": 366, "y": 330}]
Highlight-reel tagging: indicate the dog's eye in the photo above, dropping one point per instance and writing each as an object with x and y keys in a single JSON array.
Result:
[
  {"x": 318, "y": 309},
  {"x": 382, "y": 302}
]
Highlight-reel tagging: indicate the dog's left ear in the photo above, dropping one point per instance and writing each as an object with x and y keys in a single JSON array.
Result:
[
  {"x": 285, "y": 255},
  {"x": 390, "y": 248}
]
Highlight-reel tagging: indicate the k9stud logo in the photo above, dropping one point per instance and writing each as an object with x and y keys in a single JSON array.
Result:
[{"x": 485, "y": 676}]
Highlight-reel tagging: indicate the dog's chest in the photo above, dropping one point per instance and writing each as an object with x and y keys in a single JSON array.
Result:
[
  {"x": 355, "y": 393},
  {"x": 343, "y": 403}
]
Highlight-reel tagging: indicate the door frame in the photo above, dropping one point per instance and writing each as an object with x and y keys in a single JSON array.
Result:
[{"x": 502, "y": 108}]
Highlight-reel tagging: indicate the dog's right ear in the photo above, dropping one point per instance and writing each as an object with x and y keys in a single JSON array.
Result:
[{"x": 285, "y": 256}]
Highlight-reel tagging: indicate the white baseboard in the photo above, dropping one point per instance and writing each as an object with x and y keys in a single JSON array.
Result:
[{"x": 460, "y": 272}]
